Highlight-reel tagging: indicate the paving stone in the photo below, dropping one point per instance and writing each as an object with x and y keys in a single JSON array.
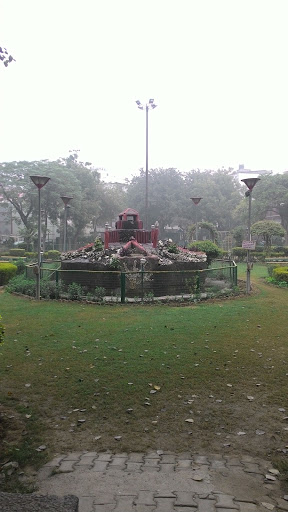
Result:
[
  {"x": 247, "y": 507},
  {"x": 183, "y": 464},
  {"x": 201, "y": 459},
  {"x": 66, "y": 466},
  {"x": 151, "y": 463},
  {"x": 282, "y": 504},
  {"x": 99, "y": 465},
  {"x": 167, "y": 468},
  {"x": 105, "y": 457},
  {"x": 168, "y": 459},
  {"x": 145, "y": 498},
  {"x": 250, "y": 467},
  {"x": 104, "y": 498},
  {"x": 218, "y": 464},
  {"x": 136, "y": 457},
  {"x": 85, "y": 461},
  {"x": 165, "y": 494},
  {"x": 73, "y": 456},
  {"x": 12, "y": 502},
  {"x": 185, "y": 499},
  {"x": 206, "y": 505},
  {"x": 225, "y": 501},
  {"x": 103, "y": 508},
  {"x": 124, "y": 504},
  {"x": 134, "y": 466},
  {"x": 118, "y": 462},
  {"x": 234, "y": 461},
  {"x": 165, "y": 504},
  {"x": 147, "y": 508},
  {"x": 86, "y": 504},
  {"x": 89, "y": 454}
]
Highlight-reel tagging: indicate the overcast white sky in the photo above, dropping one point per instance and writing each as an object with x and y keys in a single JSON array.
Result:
[{"x": 217, "y": 70}]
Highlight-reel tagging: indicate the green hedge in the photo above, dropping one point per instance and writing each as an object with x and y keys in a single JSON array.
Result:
[
  {"x": 7, "y": 271},
  {"x": 280, "y": 274},
  {"x": 52, "y": 255},
  {"x": 31, "y": 255},
  {"x": 17, "y": 252}
]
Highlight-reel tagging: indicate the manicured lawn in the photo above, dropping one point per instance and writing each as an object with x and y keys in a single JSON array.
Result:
[{"x": 140, "y": 372}]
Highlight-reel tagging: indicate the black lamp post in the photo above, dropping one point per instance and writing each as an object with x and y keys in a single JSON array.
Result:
[
  {"x": 39, "y": 182},
  {"x": 250, "y": 184},
  {"x": 196, "y": 200},
  {"x": 149, "y": 106},
  {"x": 66, "y": 200}
]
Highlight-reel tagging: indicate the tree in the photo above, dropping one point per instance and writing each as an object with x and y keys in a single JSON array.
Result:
[
  {"x": 267, "y": 229},
  {"x": 272, "y": 195}
]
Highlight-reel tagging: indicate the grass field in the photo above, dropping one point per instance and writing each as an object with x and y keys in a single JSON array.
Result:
[{"x": 208, "y": 377}]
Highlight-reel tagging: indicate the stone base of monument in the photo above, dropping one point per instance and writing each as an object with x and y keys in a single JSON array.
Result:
[{"x": 36, "y": 503}]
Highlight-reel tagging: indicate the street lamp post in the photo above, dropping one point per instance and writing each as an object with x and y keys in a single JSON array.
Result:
[
  {"x": 196, "y": 200},
  {"x": 66, "y": 200},
  {"x": 39, "y": 182},
  {"x": 149, "y": 106},
  {"x": 250, "y": 184}
]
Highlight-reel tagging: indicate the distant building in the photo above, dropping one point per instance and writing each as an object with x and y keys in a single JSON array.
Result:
[{"x": 243, "y": 173}]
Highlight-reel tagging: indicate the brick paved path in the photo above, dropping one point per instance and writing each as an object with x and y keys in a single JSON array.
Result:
[{"x": 163, "y": 482}]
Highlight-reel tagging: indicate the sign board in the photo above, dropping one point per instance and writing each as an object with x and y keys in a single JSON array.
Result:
[{"x": 248, "y": 244}]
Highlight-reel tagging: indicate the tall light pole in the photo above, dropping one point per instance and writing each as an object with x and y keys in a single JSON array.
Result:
[
  {"x": 250, "y": 184},
  {"x": 66, "y": 200},
  {"x": 39, "y": 181},
  {"x": 196, "y": 200},
  {"x": 149, "y": 106}
]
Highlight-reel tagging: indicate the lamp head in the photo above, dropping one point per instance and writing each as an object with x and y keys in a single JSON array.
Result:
[
  {"x": 196, "y": 200},
  {"x": 250, "y": 182},
  {"x": 39, "y": 181}
]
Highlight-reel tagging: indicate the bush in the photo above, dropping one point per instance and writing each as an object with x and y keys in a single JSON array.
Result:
[
  {"x": 53, "y": 255},
  {"x": 7, "y": 272},
  {"x": 50, "y": 289},
  {"x": 21, "y": 265},
  {"x": 20, "y": 284},
  {"x": 2, "y": 329},
  {"x": 74, "y": 291},
  {"x": 212, "y": 250},
  {"x": 280, "y": 274},
  {"x": 17, "y": 252},
  {"x": 31, "y": 255}
]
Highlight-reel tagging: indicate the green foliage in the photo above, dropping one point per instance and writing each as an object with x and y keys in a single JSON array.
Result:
[
  {"x": 2, "y": 330},
  {"x": 17, "y": 252},
  {"x": 7, "y": 272},
  {"x": 239, "y": 234},
  {"x": 267, "y": 229},
  {"x": 98, "y": 244},
  {"x": 53, "y": 255},
  {"x": 21, "y": 265},
  {"x": 98, "y": 294},
  {"x": 211, "y": 228},
  {"x": 20, "y": 284},
  {"x": 173, "y": 248},
  {"x": 115, "y": 264},
  {"x": 31, "y": 255},
  {"x": 50, "y": 289},
  {"x": 74, "y": 291},
  {"x": 212, "y": 250},
  {"x": 280, "y": 274}
]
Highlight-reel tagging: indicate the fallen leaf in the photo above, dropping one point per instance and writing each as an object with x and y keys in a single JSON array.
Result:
[
  {"x": 241, "y": 433},
  {"x": 97, "y": 438},
  {"x": 250, "y": 398},
  {"x": 260, "y": 432},
  {"x": 197, "y": 478},
  {"x": 157, "y": 388},
  {"x": 189, "y": 420},
  {"x": 118, "y": 438}
]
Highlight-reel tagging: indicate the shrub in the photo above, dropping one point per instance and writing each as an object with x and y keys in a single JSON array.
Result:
[
  {"x": 50, "y": 289},
  {"x": 7, "y": 272},
  {"x": 17, "y": 252},
  {"x": 31, "y": 255},
  {"x": 52, "y": 255},
  {"x": 212, "y": 250},
  {"x": 20, "y": 284},
  {"x": 74, "y": 291},
  {"x": 2, "y": 329},
  {"x": 280, "y": 274},
  {"x": 20, "y": 264}
]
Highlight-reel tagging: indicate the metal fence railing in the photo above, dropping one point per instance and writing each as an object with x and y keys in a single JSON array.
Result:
[{"x": 137, "y": 286}]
